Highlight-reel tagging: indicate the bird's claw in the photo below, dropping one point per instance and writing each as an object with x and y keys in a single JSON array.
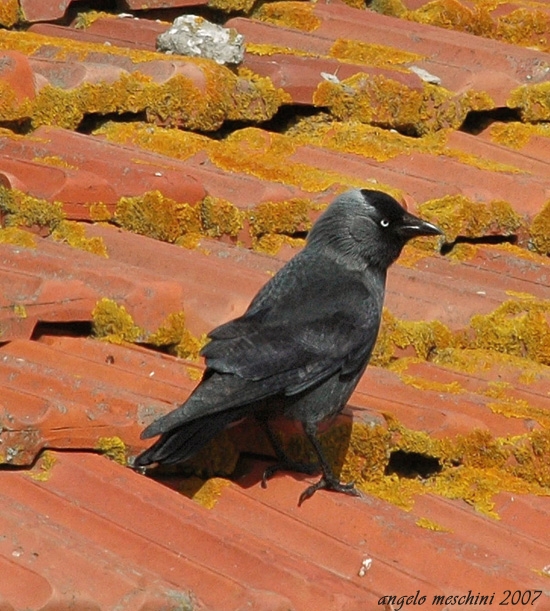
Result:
[
  {"x": 269, "y": 472},
  {"x": 326, "y": 483}
]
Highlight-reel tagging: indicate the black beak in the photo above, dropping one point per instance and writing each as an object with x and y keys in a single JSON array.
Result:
[{"x": 413, "y": 227}]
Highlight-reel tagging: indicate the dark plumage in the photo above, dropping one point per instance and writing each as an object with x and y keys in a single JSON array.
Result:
[{"x": 305, "y": 340}]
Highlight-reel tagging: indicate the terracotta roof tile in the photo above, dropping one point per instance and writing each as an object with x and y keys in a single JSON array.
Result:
[{"x": 447, "y": 430}]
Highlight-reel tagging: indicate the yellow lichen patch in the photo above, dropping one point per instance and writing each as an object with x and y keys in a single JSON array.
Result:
[
  {"x": 20, "y": 310},
  {"x": 518, "y": 328},
  {"x": 432, "y": 525},
  {"x": 427, "y": 339},
  {"x": 100, "y": 213},
  {"x": 42, "y": 470},
  {"x": 85, "y": 20},
  {"x": 111, "y": 322},
  {"x": 381, "y": 144},
  {"x": 219, "y": 217},
  {"x": 269, "y": 156},
  {"x": 216, "y": 459},
  {"x": 516, "y": 135},
  {"x": 56, "y": 161},
  {"x": 23, "y": 210},
  {"x": 194, "y": 373},
  {"x": 255, "y": 98},
  {"x": 30, "y": 43},
  {"x": 179, "y": 101},
  {"x": 209, "y": 493},
  {"x": 395, "y": 8},
  {"x": 175, "y": 143},
  {"x": 173, "y": 333},
  {"x": 540, "y": 231},
  {"x": 525, "y": 26},
  {"x": 459, "y": 216},
  {"x": 10, "y": 13},
  {"x": 74, "y": 234},
  {"x": 261, "y": 50},
  {"x": 533, "y": 101},
  {"x": 297, "y": 15},
  {"x": 453, "y": 15},
  {"x": 157, "y": 216},
  {"x": 271, "y": 243},
  {"x": 371, "y": 54},
  {"x": 230, "y": 6},
  {"x": 473, "y": 467},
  {"x": 386, "y": 102},
  {"x": 114, "y": 448},
  {"x": 17, "y": 237},
  {"x": 286, "y": 217}
]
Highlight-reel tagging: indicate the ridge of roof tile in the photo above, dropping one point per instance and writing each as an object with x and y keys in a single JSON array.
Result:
[{"x": 461, "y": 374}]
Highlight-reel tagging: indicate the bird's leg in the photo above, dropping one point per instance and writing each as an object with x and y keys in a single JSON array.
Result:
[
  {"x": 284, "y": 462},
  {"x": 328, "y": 481}
]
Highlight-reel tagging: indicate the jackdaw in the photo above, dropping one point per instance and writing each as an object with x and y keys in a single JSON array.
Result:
[{"x": 304, "y": 341}]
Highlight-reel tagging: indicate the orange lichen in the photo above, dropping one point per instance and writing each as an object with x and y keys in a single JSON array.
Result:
[
  {"x": 540, "y": 230},
  {"x": 371, "y": 54},
  {"x": 157, "y": 216},
  {"x": 459, "y": 216},
  {"x": 112, "y": 323},
  {"x": 10, "y": 13},
  {"x": 174, "y": 335},
  {"x": 74, "y": 234},
  {"x": 383, "y": 101},
  {"x": 298, "y": 15}
]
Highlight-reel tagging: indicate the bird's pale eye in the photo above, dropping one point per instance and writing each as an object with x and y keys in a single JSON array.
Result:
[{"x": 384, "y": 223}]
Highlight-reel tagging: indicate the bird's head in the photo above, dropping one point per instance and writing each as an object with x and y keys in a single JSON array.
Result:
[{"x": 365, "y": 228}]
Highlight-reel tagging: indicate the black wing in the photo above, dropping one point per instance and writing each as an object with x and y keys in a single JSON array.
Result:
[{"x": 300, "y": 329}]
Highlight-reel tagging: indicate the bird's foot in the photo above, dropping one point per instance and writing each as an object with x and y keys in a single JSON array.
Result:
[
  {"x": 328, "y": 483},
  {"x": 297, "y": 467}
]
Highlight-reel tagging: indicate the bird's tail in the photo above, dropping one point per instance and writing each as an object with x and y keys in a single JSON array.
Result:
[{"x": 183, "y": 442}]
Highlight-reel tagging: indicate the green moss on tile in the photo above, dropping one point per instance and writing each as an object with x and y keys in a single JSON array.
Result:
[
  {"x": 296, "y": 15},
  {"x": 157, "y": 216},
  {"x": 174, "y": 334},
  {"x": 372, "y": 54},
  {"x": 112, "y": 323},
  {"x": 114, "y": 448},
  {"x": 17, "y": 237},
  {"x": 459, "y": 216},
  {"x": 74, "y": 234},
  {"x": 540, "y": 231}
]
